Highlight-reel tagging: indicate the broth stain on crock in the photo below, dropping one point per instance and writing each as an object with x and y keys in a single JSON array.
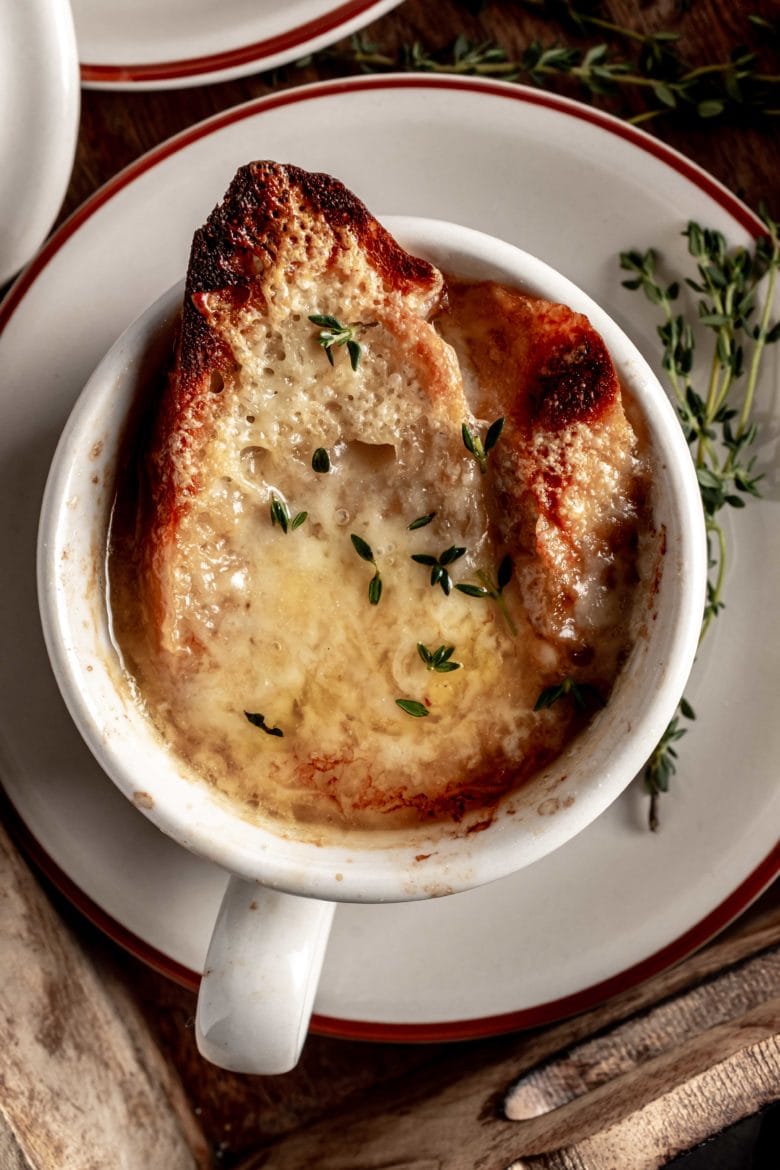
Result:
[
  {"x": 439, "y": 891},
  {"x": 96, "y": 450},
  {"x": 549, "y": 807},
  {"x": 143, "y": 799},
  {"x": 436, "y": 889}
]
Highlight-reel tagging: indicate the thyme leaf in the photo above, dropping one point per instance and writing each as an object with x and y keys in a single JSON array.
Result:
[
  {"x": 333, "y": 333},
  {"x": 365, "y": 552},
  {"x": 493, "y": 589},
  {"x": 475, "y": 445},
  {"x": 438, "y": 660},
  {"x": 584, "y": 695},
  {"x": 320, "y": 461},
  {"x": 421, "y": 521},
  {"x": 412, "y": 707},
  {"x": 362, "y": 548},
  {"x": 504, "y": 574},
  {"x": 438, "y": 565},
  {"x": 258, "y": 720},
  {"x": 280, "y": 514},
  {"x": 662, "y": 764},
  {"x": 472, "y": 590}
]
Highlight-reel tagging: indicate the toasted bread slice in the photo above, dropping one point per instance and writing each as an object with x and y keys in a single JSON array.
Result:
[
  {"x": 322, "y": 551},
  {"x": 568, "y": 479},
  {"x": 285, "y": 245}
]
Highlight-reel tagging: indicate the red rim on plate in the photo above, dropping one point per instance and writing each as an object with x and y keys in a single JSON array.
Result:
[
  {"x": 286, "y": 43},
  {"x": 720, "y": 917}
]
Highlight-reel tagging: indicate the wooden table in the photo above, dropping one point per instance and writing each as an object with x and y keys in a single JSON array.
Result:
[{"x": 109, "y": 1061}]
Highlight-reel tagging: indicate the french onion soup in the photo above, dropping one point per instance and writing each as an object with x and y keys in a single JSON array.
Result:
[{"x": 382, "y": 541}]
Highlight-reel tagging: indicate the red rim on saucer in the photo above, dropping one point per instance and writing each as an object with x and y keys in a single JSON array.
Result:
[{"x": 242, "y": 59}]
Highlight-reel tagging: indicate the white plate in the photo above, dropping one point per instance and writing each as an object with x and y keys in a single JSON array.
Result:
[
  {"x": 39, "y": 100},
  {"x": 617, "y": 903},
  {"x": 159, "y": 44}
]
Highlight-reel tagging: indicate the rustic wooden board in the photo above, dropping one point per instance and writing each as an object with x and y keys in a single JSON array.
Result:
[
  {"x": 82, "y": 1079},
  {"x": 701, "y": 1073}
]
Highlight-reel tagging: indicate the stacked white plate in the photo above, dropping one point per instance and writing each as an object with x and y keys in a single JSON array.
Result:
[
  {"x": 159, "y": 44},
  {"x": 39, "y": 99}
]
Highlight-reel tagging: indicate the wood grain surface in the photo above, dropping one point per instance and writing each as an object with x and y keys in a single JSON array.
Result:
[
  {"x": 654, "y": 1069},
  {"x": 98, "y": 1051},
  {"x": 80, "y": 1073}
]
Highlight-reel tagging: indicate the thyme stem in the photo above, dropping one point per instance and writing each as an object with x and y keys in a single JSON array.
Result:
[
  {"x": 653, "y": 66},
  {"x": 727, "y": 285},
  {"x": 761, "y": 340}
]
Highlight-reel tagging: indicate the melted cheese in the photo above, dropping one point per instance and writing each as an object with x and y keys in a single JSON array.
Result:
[{"x": 280, "y": 624}]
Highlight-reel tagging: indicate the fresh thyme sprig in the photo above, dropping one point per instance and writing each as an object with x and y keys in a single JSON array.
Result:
[
  {"x": 718, "y": 418},
  {"x": 280, "y": 514},
  {"x": 439, "y": 660},
  {"x": 494, "y": 589},
  {"x": 333, "y": 333},
  {"x": 584, "y": 695},
  {"x": 654, "y": 68},
  {"x": 663, "y": 762},
  {"x": 476, "y": 447},
  {"x": 365, "y": 552},
  {"x": 438, "y": 565}
]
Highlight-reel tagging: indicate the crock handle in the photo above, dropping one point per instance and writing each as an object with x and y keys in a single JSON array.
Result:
[{"x": 260, "y": 978}]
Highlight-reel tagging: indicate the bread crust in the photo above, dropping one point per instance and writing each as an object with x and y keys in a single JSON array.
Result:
[{"x": 245, "y": 235}]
